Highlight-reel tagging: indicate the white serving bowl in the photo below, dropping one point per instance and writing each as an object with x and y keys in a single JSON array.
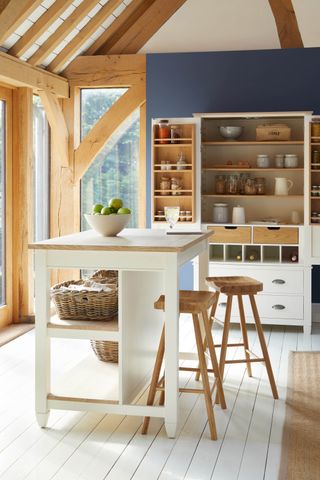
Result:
[
  {"x": 230, "y": 132},
  {"x": 108, "y": 225}
]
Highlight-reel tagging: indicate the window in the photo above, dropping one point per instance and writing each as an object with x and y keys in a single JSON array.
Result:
[
  {"x": 41, "y": 164},
  {"x": 2, "y": 200},
  {"x": 115, "y": 171}
]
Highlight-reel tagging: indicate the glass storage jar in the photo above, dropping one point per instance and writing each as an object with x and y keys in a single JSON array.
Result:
[
  {"x": 175, "y": 133},
  {"x": 164, "y": 131},
  {"x": 176, "y": 186},
  {"x": 220, "y": 184},
  {"x": 232, "y": 185},
  {"x": 181, "y": 162},
  {"x": 165, "y": 186},
  {"x": 220, "y": 213},
  {"x": 250, "y": 187},
  {"x": 260, "y": 183}
]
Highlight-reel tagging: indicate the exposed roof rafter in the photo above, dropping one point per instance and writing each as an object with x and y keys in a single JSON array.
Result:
[
  {"x": 13, "y": 13},
  {"x": 287, "y": 25},
  {"x": 141, "y": 26},
  {"x": 85, "y": 33},
  {"x": 58, "y": 36},
  {"x": 20, "y": 47}
]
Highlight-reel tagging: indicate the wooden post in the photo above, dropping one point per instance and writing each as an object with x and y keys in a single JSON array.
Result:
[{"x": 22, "y": 205}]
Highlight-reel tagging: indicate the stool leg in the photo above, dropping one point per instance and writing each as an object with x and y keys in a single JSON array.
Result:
[
  {"x": 224, "y": 342},
  {"x": 244, "y": 334},
  {"x": 211, "y": 318},
  {"x": 154, "y": 381},
  {"x": 263, "y": 345},
  {"x": 204, "y": 376},
  {"x": 213, "y": 357}
]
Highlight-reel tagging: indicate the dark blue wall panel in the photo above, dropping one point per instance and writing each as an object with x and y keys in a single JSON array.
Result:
[{"x": 261, "y": 80}]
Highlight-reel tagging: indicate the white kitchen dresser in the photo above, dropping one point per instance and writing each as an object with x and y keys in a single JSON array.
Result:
[{"x": 148, "y": 262}]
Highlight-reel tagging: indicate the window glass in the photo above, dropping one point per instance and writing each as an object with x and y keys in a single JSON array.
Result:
[
  {"x": 2, "y": 201},
  {"x": 41, "y": 170},
  {"x": 115, "y": 171}
]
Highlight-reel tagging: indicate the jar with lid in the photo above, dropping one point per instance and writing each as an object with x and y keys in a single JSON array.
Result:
[
  {"x": 175, "y": 133},
  {"x": 176, "y": 186},
  {"x": 263, "y": 161},
  {"x": 220, "y": 213},
  {"x": 165, "y": 185},
  {"x": 181, "y": 162},
  {"x": 164, "y": 131},
  {"x": 315, "y": 129},
  {"x": 260, "y": 183},
  {"x": 250, "y": 187},
  {"x": 232, "y": 185},
  {"x": 220, "y": 184}
]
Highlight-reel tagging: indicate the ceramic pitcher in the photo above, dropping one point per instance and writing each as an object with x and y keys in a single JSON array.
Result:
[{"x": 282, "y": 186}]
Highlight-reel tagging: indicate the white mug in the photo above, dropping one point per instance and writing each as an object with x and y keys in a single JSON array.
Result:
[{"x": 282, "y": 186}]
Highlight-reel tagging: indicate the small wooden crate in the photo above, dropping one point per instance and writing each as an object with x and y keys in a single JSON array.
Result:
[{"x": 273, "y": 132}]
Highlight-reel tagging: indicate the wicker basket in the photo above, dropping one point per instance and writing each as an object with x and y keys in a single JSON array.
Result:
[
  {"x": 105, "y": 351},
  {"x": 273, "y": 132},
  {"x": 88, "y": 305}
]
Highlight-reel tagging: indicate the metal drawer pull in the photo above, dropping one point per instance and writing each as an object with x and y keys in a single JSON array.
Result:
[
  {"x": 278, "y": 281},
  {"x": 223, "y": 304},
  {"x": 278, "y": 307}
]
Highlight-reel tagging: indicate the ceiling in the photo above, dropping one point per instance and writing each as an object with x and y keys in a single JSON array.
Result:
[{"x": 51, "y": 33}]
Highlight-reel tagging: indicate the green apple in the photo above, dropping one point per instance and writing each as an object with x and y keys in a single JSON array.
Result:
[
  {"x": 123, "y": 211},
  {"x": 106, "y": 211},
  {"x": 115, "y": 203},
  {"x": 97, "y": 208}
]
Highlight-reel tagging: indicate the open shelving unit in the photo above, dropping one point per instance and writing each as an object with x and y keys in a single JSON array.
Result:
[{"x": 164, "y": 164}]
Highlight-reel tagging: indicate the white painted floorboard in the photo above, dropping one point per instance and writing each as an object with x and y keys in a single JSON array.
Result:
[{"x": 92, "y": 446}]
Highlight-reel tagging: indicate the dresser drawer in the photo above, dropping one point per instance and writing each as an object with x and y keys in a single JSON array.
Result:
[
  {"x": 230, "y": 234},
  {"x": 284, "y": 235},
  {"x": 269, "y": 306},
  {"x": 276, "y": 281}
]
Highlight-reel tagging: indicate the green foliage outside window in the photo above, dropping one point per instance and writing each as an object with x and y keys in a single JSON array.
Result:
[{"x": 115, "y": 171}]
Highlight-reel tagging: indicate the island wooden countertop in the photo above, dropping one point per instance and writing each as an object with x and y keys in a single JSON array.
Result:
[{"x": 130, "y": 239}]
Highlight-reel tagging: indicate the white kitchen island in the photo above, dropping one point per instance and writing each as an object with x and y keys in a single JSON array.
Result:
[{"x": 148, "y": 262}]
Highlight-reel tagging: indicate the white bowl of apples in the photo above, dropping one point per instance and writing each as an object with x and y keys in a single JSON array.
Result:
[{"x": 109, "y": 220}]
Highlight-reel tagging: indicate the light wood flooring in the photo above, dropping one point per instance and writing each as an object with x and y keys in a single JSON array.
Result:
[{"x": 92, "y": 446}]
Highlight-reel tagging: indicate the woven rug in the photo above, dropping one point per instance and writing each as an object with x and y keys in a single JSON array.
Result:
[{"x": 300, "y": 459}]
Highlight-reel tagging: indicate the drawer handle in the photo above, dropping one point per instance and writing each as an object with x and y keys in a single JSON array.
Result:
[
  {"x": 278, "y": 281},
  {"x": 278, "y": 307},
  {"x": 223, "y": 304},
  {"x": 273, "y": 228},
  {"x": 231, "y": 228}
]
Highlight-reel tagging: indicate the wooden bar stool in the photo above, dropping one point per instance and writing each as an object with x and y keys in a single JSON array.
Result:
[
  {"x": 239, "y": 286},
  {"x": 197, "y": 304}
]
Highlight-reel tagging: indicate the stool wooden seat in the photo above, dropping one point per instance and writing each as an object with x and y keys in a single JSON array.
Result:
[
  {"x": 240, "y": 286},
  {"x": 197, "y": 304}
]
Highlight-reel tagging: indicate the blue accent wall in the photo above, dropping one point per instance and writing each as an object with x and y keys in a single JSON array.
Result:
[{"x": 179, "y": 85}]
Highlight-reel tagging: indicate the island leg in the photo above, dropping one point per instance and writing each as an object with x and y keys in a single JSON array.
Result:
[{"x": 42, "y": 341}]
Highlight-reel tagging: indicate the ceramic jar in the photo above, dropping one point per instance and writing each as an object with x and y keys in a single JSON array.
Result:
[
  {"x": 263, "y": 161},
  {"x": 290, "y": 160},
  {"x": 220, "y": 213},
  {"x": 279, "y": 160}
]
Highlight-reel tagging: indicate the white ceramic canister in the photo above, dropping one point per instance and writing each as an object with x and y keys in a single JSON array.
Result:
[
  {"x": 220, "y": 213},
  {"x": 238, "y": 215},
  {"x": 263, "y": 161},
  {"x": 291, "y": 160}
]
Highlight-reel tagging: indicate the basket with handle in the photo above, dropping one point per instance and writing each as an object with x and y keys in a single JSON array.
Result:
[{"x": 86, "y": 305}]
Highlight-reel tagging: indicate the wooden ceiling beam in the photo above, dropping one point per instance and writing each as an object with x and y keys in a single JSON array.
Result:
[
  {"x": 85, "y": 33},
  {"x": 13, "y": 13},
  {"x": 136, "y": 32},
  {"x": 111, "y": 70},
  {"x": 120, "y": 25},
  {"x": 95, "y": 140},
  {"x": 59, "y": 35},
  {"x": 286, "y": 22},
  {"x": 20, "y": 74},
  {"x": 39, "y": 27}
]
